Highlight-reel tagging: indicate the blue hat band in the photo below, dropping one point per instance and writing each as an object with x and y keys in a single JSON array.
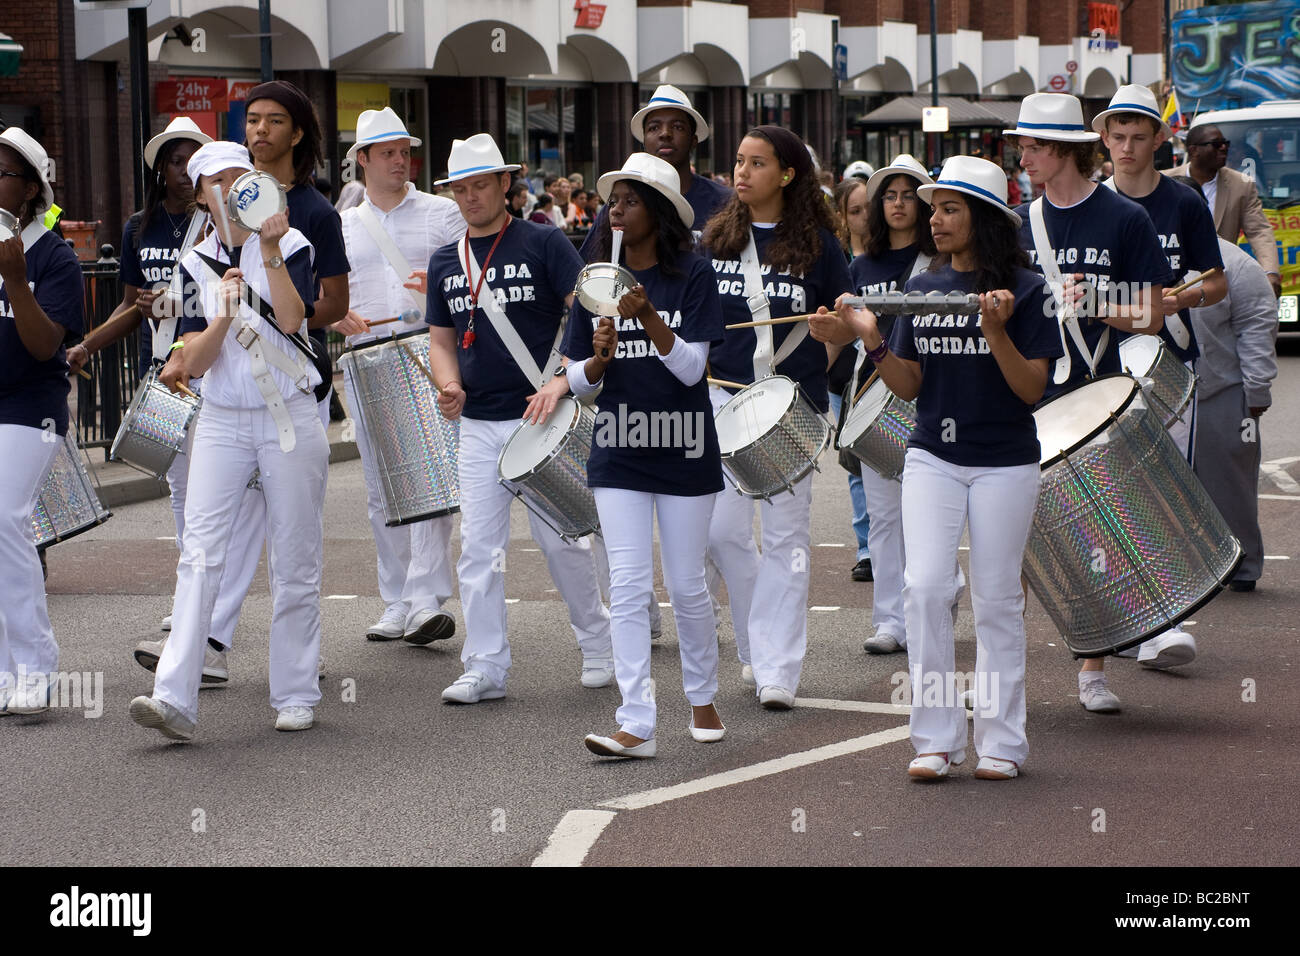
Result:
[
  {"x": 669, "y": 99},
  {"x": 469, "y": 169},
  {"x": 1020, "y": 124},
  {"x": 973, "y": 188},
  {"x": 1132, "y": 108},
  {"x": 392, "y": 134}
]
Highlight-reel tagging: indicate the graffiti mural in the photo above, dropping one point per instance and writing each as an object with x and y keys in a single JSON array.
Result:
[{"x": 1241, "y": 55}]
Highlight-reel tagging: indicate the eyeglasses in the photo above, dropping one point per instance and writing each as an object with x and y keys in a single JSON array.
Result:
[
  {"x": 1215, "y": 143},
  {"x": 904, "y": 198},
  {"x": 10, "y": 172}
]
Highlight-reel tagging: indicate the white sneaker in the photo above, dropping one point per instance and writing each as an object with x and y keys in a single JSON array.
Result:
[
  {"x": 882, "y": 643},
  {"x": 776, "y": 698},
  {"x": 747, "y": 676},
  {"x": 215, "y": 667},
  {"x": 1095, "y": 696},
  {"x": 30, "y": 695},
  {"x": 391, "y": 626},
  {"x": 597, "y": 673},
  {"x": 1170, "y": 649},
  {"x": 6, "y": 693},
  {"x": 294, "y": 718},
  {"x": 167, "y": 623},
  {"x": 428, "y": 625},
  {"x": 471, "y": 687},
  {"x": 161, "y": 716}
]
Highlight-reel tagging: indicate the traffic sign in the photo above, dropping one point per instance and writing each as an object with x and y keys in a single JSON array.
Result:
[
  {"x": 1072, "y": 67},
  {"x": 1058, "y": 82},
  {"x": 934, "y": 119}
]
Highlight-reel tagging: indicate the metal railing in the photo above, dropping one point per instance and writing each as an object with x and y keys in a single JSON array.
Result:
[{"x": 100, "y": 401}]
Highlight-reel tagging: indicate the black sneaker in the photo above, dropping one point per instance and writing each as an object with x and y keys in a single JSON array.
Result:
[
  {"x": 1242, "y": 585},
  {"x": 862, "y": 570}
]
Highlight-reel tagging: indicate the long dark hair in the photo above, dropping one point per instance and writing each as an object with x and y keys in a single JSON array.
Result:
[
  {"x": 672, "y": 236},
  {"x": 995, "y": 244},
  {"x": 878, "y": 228},
  {"x": 157, "y": 187},
  {"x": 796, "y": 242}
]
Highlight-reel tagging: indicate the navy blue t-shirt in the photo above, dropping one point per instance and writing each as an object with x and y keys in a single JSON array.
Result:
[
  {"x": 531, "y": 272},
  {"x": 316, "y": 218},
  {"x": 1109, "y": 239},
  {"x": 705, "y": 198},
  {"x": 148, "y": 257},
  {"x": 887, "y": 272},
  {"x": 635, "y": 446},
  {"x": 33, "y": 392},
  {"x": 966, "y": 413},
  {"x": 828, "y": 279},
  {"x": 1186, "y": 230}
]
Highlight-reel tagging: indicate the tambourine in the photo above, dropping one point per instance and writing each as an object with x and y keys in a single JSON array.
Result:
[
  {"x": 8, "y": 225},
  {"x": 254, "y": 198},
  {"x": 601, "y": 285}
]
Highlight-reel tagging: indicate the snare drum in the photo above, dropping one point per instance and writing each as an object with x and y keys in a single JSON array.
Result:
[
  {"x": 1125, "y": 541},
  {"x": 154, "y": 428},
  {"x": 68, "y": 503},
  {"x": 545, "y": 466},
  {"x": 600, "y": 285},
  {"x": 770, "y": 436},
  {"x": 1173, "y": 384},
  {"x": 254, "y": 198},
  {"x": 877, "y": 428},
  {"x": 416, "y": 450}
]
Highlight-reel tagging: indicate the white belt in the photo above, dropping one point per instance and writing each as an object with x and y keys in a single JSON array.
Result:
[{"x": 261, "y": 360}]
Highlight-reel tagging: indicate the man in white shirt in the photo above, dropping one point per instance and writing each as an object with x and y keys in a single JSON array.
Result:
[{"x": 415, "y": 570}]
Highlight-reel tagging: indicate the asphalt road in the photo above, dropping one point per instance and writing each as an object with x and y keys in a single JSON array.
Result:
[{"x": 1190, "y": 774}]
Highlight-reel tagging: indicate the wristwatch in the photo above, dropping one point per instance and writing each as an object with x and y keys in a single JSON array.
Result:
[{"x": 275, "y": 262}]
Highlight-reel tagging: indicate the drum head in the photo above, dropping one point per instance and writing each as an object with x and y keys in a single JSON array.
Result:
[
  {"x": 1073, "y": 418},
  {"x": 8, "y": 225},
  {"x": 600, "y": 286},
  {"x": 532, "y": 445},
  {"x": 866, "y": 411},
  {"x": 1138, "y": 354},
  {"x": 254, "y": 198},
  {"x": 753, "y": 412}
]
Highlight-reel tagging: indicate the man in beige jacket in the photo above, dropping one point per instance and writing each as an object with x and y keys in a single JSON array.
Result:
[{"x": 1231, "y": 196}]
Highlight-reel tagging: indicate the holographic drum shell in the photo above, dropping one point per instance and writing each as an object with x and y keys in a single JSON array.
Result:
[
  {"x": 545, "y": 466},
  {"x": 770, "y": 436},
  {"x": 154, "y": 428},
  {"x": 68, "y": 503},
  {"x": 877, "y": 428}
]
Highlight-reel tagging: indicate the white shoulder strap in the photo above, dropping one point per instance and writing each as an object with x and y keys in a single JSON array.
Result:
[
  {"x": 505, "y": 331},
  {"x": 765, "y": 362},
  {"x": 1066, "y": 317},
  {"x": 399, "y": 263},
  {"x": 164, "y": 335}
]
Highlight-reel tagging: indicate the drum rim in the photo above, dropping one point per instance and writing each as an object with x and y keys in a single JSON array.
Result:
[
  {"x": 794, "y": 397},
  {"x": 548, "y": 458},
  {"x": 589, "y": 267},
  {"x": 892, "y": 397},
  {"x": 235, "y": 190},
  {"x": 151, "y": 378},
  {"x": 389, "y": 339},
  {"x": 1159, "y": 347},
  {"x": 9, "y": 222},
  {"x": 1061, "y": 455}
]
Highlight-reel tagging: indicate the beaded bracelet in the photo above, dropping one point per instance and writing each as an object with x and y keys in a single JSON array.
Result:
[{"x": 879, "y": 352}]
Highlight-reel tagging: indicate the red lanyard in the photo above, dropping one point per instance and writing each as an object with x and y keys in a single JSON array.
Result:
[{"x": 469, "y": 338}]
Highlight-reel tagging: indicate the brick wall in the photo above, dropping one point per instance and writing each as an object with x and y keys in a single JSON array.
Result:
[
  {"x": 1141, "y": 25},
  {"x": 1000, "y": 19}
]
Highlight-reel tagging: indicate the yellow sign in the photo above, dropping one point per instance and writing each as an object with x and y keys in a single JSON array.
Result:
[
  {"x": 354, "y": 98},
  {"x": 1286, "y": 229}
]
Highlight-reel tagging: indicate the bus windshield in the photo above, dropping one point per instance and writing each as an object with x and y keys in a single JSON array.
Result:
[{"x": 1269, "y": 153}]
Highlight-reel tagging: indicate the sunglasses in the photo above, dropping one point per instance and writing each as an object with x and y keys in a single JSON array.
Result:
[{"x": 1215, "y": 143}]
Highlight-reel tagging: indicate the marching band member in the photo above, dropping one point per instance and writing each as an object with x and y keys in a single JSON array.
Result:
[
  {"x": 1099, "y": 240},
  {"x": 773, "y": 243},
  {"x": 651, "y": 363},
  {"x": 258, "y": 413},
  {"x": 972, "y": 461},
  {"x": 151, "y": 243},
  {"x": 414, "y": 560},
  {"x": 519, "y": 274},
  {"x": 1132, "y": 130},
  {"x": 40, "y": 303}
]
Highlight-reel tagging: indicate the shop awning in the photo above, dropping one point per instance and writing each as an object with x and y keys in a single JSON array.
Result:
[
  {"x": 906, "y": 111},
  {"x": 10, "y": 53}
]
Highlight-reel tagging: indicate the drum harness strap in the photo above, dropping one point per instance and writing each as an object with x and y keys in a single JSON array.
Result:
[
  {"x": 506, "y": 332},
  {"x": 1065, "y": 312},
  {"x": 400, "y": 264},
  {"x": 765, "y": 362},
  {"x": 164, "y": 334},
  {"x": 262, "y": 358},
  {"x": 1173, "y": 322}
]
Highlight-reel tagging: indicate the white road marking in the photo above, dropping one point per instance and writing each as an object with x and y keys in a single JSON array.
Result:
[
  {"x": 824, "y": 607},
  {"x": 574, "y": 837},
  {"x": 340, "y": 597},
  {"x": 831, "y": 544},
  {"x": 512, "y": 600},
  {"x": 1276, "y": 471},
  {"x": 1280, "y": 497},
  {"x": 859, "y": 706},
  {"x": 165, "y": 537},
  {"x": 1277, "y": 557}
]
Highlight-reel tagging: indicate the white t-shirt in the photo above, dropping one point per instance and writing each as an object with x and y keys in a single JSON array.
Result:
[{"x": 1211, "y": 189}]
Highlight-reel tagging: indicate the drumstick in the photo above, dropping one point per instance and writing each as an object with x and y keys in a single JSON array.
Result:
[
  {"x": 374, "y": 322},
  {"x": 84, "y": 374},
  {"x": 420, "y": 365},
  {"x": 865, "y": 385},
  {"x": 225, "y": 219},
  {"x": 1207, "y": 274},
  {"x": 616, "y": 249},
  {"x": 723, "y": 383},
  {"x": 786, "y": 320},
  {"x": 181, "y": 388}
]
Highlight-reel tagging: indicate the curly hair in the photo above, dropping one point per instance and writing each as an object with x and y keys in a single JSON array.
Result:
[
  {"x": 672, "y": 236},
  {"x": 796, "y": 240},
  {"x": 878, "y": 228},
  {"x": 1086, "y": 155},
  {"x": 995, "y": 245}
]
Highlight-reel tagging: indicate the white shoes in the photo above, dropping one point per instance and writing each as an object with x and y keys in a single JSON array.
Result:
[
  {"x": 30, "y": 695},
  {"x": 428, "y": 625},
  {"x": 597, "y": 673},
  {"x": 294, "y": 718},
  {"x": 776, "y": 698},
  {"x": 471, "y": 687},
  {"x": 995, "y": 768},
  {"x": 882, "y": 643},
  {"x": 161, "y": 716},
  {"x": 215, "y": 667},
  {"x": 1170, "y": 649},
  {"x": 934, "y": 766},
  {"x": 705, "y": 735},
  {"x": 1095, "y": 695},
  {"x": 609, "y": 747},
  {"x": 391, "y": 626},
  {"x": 747, "y": 676},
  {"x": 167, "y": 623}
]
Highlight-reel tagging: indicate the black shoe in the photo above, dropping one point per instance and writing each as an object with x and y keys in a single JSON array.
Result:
[
  {"x": 1241, "y": 585},
  {"x": 336, "y": 408},
  {"x": 862, "y": 570}
]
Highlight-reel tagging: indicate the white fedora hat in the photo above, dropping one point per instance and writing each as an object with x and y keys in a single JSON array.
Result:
[
  {"x": 904, "y": 164},
  {"x": 35, "y": 154},
  {"x": 655, "y": 173},
  {"x": 860, "y": 168},
  {"x": 379, "y": 126},
  {"x": 182, "y": 127},
  {"x": 974, "y": 177},
  {"x": 670, "y": 98},
  {"x": 1056, "y": 116},
  {"x": 475, "y": 156},
  {"x": 1131, "y": 99}
]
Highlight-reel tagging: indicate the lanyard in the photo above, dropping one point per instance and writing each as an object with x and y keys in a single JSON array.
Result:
[{"x": 475, "y": 287}]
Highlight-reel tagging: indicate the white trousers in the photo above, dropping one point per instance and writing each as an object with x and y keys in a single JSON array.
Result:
[
  {"x": 602, "y": 575},
  {"x": 888, "y": 557},
  {"x": 939, "y": 500},
  {"x": 228, "y": 445},
  {"x": 484, "y": 541},
  {"x": 414, "y": 559},
  {"x": 731, "y": 549},
  {"x": 26, "y": 638},
  {"x": 627, "y": 524}
]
